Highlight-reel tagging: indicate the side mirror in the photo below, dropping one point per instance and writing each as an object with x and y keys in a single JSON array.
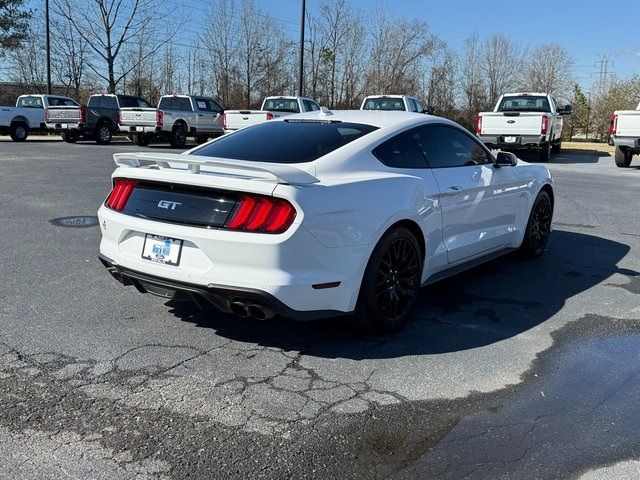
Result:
[
  {"x": 567, "y": 110},
  {"x": 505, "y": 159},
  {"x": 431, "y": 110}
]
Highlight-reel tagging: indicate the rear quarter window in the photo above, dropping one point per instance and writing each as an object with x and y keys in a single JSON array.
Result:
[
  {"x": 61, "y": 102},
  {"x": 285, "y": 141}
]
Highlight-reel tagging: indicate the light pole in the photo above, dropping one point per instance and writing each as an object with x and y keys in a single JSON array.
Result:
[
  {"x": 46, "y": 8},
  {"x": 301, "y": 69}
]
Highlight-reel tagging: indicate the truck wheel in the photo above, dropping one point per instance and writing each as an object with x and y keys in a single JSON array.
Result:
[
  {"x": 69, "y": 137},
  {"x": 623, "y": 157},
  {"x": 178, "y": 138},
  {"x": 103, "y": 134},
  {"x": 557, "y": 147},
  {"x": 544, "y": 154},
  {"x": 19, "y": 131},
  {"x": 141, "y": 140},
  {"x": 200, "y": 139}
]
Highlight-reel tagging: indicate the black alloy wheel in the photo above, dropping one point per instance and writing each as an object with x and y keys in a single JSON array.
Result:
[
  {"x": 390, "y": 284},
  {"x": 539, "y": 226}
]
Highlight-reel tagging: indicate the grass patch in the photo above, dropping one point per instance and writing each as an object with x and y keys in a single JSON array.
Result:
[{"x": 588, "y": 147}]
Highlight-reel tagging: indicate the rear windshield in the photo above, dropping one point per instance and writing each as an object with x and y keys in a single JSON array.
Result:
[
  {"x": 384, "y": 104},
  {"x": 61, "y": 102},
  {"x": 524, "y": 103},
  {"x": 285, "y": 142},
  {"x": 281, "y": 105},
  {"x": 133, "y": 102}
]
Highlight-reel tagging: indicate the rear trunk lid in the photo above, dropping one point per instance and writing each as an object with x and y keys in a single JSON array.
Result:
[
  {"x": 237, "y": 119},
  {"x": 63, "y": 114},
  {"x": 628, "y": 124},
  {"x": 138, "y": 117},
  {"x": 511, "y": 123}
]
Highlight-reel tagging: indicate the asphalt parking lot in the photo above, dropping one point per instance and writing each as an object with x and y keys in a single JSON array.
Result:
[{"x": 514, "y": 370}]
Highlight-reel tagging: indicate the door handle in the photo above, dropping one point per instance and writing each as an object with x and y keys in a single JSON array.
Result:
[
  {"x": 453, "y": 190},
  {"x": 200, "y": 115}
]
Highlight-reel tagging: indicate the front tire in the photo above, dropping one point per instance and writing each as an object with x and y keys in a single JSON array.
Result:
[
  {"x": 178, "y": 137},
  {"x": 390, "y": 284},
  {"x": 623, "y": 157},
  {"x": 69, "y": 137},
  {"x": 544, "y": 154},
  {"x": 536, "y": 236},
  {"x": 19, "y": 131},
  {"x": 141, "y": 140}
]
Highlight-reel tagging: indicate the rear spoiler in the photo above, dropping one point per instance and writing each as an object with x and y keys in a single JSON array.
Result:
[{"x": 284, "y": 174}]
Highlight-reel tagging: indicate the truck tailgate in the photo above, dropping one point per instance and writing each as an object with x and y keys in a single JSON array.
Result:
[
  {"x": 511, "y": 123},
  {"x": 628, "y": 123},
  {"x": 237, "y": 119},
  {"x": 64, "y": 114},
  {"x": 139, "y": 117}
]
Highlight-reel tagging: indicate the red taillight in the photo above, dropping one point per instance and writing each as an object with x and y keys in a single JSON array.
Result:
[
  {"x": 120, "y": 122},
  {"x": 613, "y": 126},
  {"x": 545, "y": 125},
  {"x": 479, "y": 124},
  {"x": 121, "y": 192},
  {"x": 46, "y": 115},
  {"x": 262, "y": 214},
  {"x": 83, "y": 114},
  {"x": 270, "y": 116},
  {"x": 223, "y": 116},
  {"x": 159, "y": 118}
]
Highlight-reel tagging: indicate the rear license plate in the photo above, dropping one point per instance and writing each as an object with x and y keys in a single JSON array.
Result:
[
  {"x": 162, "y": 249},
  {"x": 510, "y": 139},
  {"x": 64, "y": 125},
  {"x": 139, "y": 129}
]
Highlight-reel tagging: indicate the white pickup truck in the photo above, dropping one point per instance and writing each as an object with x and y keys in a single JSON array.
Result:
[
  {"x": 404, "y": 103},
  {"x": 190, "y": 115},
  {"x": 272, "y": 107},
  {"x": 625, "y": 135},
  {"x": 31, "y": 112},
  {"x": 524, "y": 121}
]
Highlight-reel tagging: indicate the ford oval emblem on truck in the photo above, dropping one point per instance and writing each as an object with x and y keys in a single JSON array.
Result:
[{"x": 511, "y": 121}]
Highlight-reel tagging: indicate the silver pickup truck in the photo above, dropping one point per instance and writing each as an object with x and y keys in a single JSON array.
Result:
[
  {"x": 524, "y": 121},
  {"x": 625, "y": 135},
  {"x": 272, "y": 107},
  {"x": 32, "y": 112},
  {"x": 190, "y": 116}
]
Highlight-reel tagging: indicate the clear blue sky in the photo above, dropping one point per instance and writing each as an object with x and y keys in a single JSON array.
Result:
[{"x": 587, "y": 28}]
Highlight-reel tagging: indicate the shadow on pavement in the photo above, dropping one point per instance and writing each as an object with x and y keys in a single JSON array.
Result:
[
  {"x": 516, "y": 296},
  {"x": 566, "y": 156}
]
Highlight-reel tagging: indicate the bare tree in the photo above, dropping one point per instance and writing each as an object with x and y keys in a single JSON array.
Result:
[
  {"x": 108, "y": 26},
  {"x": 69, "y": 56},
  {"x": 549, "y": 68},
  {"x": 501, "y": 65},
  {"x": 470, "y": 76},
  {"x": 28, "y": 62},
  {"x": 441, "y": 91}
]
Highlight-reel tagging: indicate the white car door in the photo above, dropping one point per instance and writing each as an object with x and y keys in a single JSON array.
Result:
[{"x": 480, "y": 203}]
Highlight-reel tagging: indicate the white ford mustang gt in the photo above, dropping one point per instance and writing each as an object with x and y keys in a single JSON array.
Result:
[{"x": 321, "y": 214}]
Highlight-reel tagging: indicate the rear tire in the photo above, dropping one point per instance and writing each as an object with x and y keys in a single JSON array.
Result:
[
  {"x": 103, "y": 134},
  {"x": 18, "y": 131},
  {"x": 141, "y": 140},
  {"x": 536, "y": 236},
  {"x": 544, "y": 154},
  {"x": 390, "y": 284},
  {"x": 178, "y": 138},
  {"x": 200, "y": 139},
  {"x": 623, "y": 157},
  {"x": 557, "y": 147},
  {"x": 69, "y": 137}
]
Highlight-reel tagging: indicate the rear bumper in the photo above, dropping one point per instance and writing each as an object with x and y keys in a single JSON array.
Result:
[
  {"x": 218, "y": 296},
  {"x": 62, "y": 127},
  {"x": 519, "y": 141},
  {"x": 140, "y": 129},
  {"x": 630, "y": 142}
]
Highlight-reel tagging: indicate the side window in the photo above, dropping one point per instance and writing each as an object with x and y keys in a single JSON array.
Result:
[
  {"x": 419, "y": 107},
  {"x": 401, "y": 151},
  {"x": 449, "y": 147},
  {"x": 182, "y": 103},
  {"x": 412, "y": 105},
  {"x": 202, "y": 104},
  {"x": 215, "y": 106},
  {"x": 310, "y": 106}
]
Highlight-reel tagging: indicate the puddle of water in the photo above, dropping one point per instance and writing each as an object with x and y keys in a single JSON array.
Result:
[
  {"x": 76, "y": 222},
  {"x": 578, "y": 410}
]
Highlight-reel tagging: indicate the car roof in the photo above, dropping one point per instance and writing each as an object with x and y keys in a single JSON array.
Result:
[
  {"x": 376, "y": 118},
  {"x": 531, "y": 94}
]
